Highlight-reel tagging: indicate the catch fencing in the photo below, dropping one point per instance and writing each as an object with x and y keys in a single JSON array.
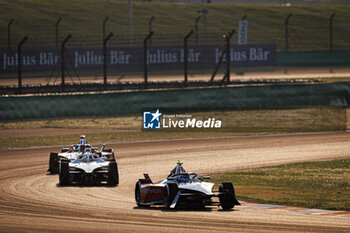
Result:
[{"x": 285, "y": 43}]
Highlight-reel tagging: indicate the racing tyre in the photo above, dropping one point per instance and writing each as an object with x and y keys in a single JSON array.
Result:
[
  {"x": 113, "y": 175},
  {"x": 169, "y": 194},
  {"x": 138, "y": 195},
  {"x": 53, "y": 163},
  {"x": 227, "y": 196},
  {"x": 64, "y": 172}
]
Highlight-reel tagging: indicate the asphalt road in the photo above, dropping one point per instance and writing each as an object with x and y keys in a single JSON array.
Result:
[{"x": 32, "y": 201}]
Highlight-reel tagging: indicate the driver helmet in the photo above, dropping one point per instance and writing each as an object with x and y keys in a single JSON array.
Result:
[
  {"x": 179, "y": 168},
  {"x": 82, "y": 140}
]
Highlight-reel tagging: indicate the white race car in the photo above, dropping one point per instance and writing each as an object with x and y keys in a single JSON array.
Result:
[
  {"x": 88, "y": 169},
  {"x": 73, "y": 152},
  {"x": 183, "y": 190}
]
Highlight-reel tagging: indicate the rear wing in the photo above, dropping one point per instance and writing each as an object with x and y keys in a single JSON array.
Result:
[{"x": 147, "y": 177}]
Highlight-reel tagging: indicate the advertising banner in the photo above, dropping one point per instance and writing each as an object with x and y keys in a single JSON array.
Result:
[{"x": 132, "y": 58}]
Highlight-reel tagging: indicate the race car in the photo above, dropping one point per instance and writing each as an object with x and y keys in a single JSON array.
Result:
[
  {"x": 88, "y": 169},
  {"x": 74, "y": 151},
  {"x": 183, "y": 189}
]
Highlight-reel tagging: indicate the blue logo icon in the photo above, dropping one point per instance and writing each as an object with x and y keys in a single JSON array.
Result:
[{"x": 151, "y": 120}]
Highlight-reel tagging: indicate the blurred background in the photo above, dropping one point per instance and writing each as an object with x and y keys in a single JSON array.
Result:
[{"x": 310, "y": 39}]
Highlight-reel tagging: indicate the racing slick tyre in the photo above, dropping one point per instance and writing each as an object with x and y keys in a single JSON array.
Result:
[
  {"x": 53, "y": 163},
  {"x": 227, "y": 196},
  {"x": 113, "y": 175},
  {"x": 138, "y": 195},
  {"x": 64, "y": 172},
  {"x": 169, "y": 193}
]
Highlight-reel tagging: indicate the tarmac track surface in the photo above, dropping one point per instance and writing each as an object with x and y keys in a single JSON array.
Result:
[{"x": 32, "y": 201}]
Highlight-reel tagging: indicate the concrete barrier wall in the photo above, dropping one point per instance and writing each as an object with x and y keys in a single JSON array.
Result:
[{"x": 121, "y": 103}]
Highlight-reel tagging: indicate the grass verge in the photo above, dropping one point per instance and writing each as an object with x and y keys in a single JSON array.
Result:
[
  {"x": 102, "y": 138},
  {"x": 121, "y": 129},
  {"x": 322, "y": 185},
  {"x": 309, "y": 25}
]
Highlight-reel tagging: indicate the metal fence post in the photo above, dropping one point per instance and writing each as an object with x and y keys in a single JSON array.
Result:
[
  {"x": 228, "y": 60},
  {"x": 228, "y": 55},
  {"x": 204, "y": 11},
  {"x": 104, "y": 29},
  {"x": 150, "y": 28},
  {"x": 105, "y": 59},
  {"x": 145, "y": 49},
  {"x": 331, "y": 31},
  {"x": 224, "y": 52},
  {"x": 186, "y": 56},
  {"x": 286, "y": 31},
  {"x": 130, "y": 27},
  {"x": 217, "y": 66},
  {"x": 57, "y": 23},
  {"x": 196, "y": 28},
  {"x": 62, "y": 57},
  {"x": 19, "y": 61},
  {"x": 9, "y": 33}
]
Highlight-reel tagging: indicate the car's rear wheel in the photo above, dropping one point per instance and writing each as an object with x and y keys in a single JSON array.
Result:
[
  {"x": 227, "y": 196},
  {"x": 64, "y": 172},
  {"x": 53, "y": 163},
  {"x": 138, "y": 195},
  {"x": 169, "y": 193},
  {"x": 113, "y": 175}
]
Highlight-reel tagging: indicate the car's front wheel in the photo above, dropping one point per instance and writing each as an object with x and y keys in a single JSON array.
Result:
[
  {"x": 227, "y": 196},
  {"x": 169, "y": 193},
  {"x": 64, "y": 172},
  {"x": 113, "y": 175},
  {"x": 53, "y": 163}
]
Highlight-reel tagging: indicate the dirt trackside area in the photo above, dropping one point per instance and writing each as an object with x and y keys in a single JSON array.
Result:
[{"x": 33, "y": 201}]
